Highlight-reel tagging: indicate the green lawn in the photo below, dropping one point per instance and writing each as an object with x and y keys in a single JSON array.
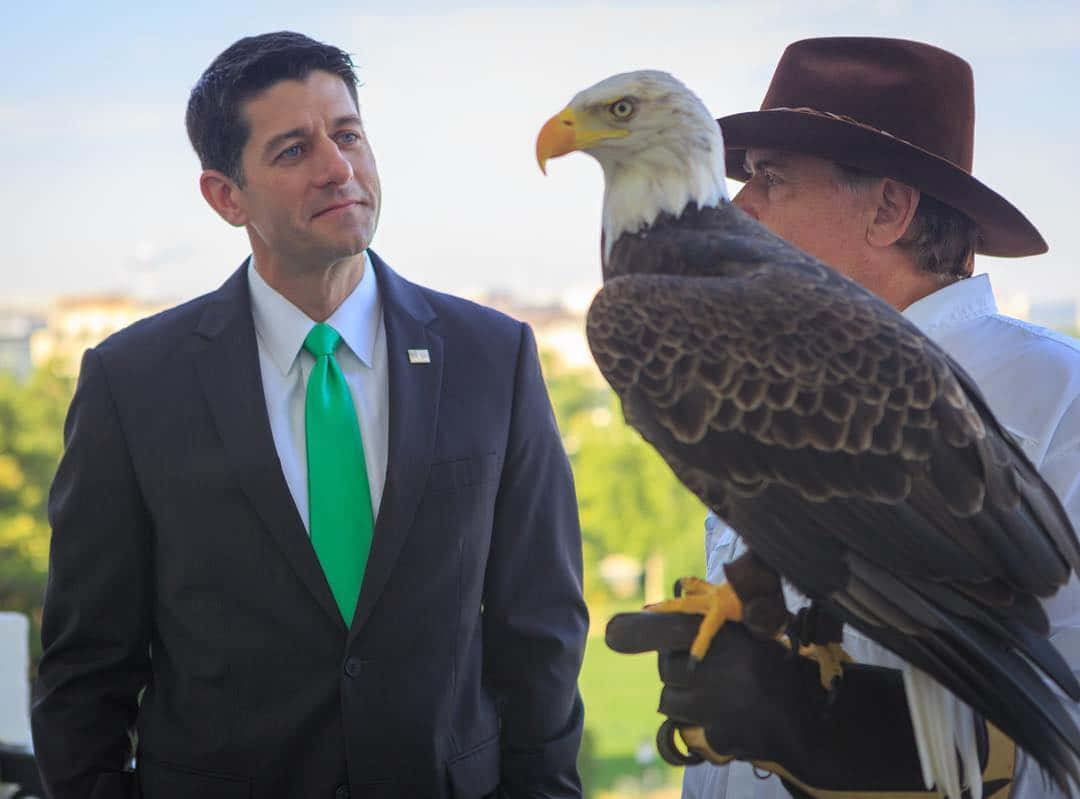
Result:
[{"x": 621, "y": 693}]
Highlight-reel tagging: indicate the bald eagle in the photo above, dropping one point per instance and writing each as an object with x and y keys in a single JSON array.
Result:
[{"x": 853, "y": 455}]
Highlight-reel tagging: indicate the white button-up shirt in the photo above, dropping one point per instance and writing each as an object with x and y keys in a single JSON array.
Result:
[
  {"x": 281, "y": 328},
  {"x": 1030, "y": 378}
]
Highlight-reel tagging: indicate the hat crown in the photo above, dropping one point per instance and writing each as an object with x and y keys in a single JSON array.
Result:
[
  {"x": 899, "y": 109},
  {"x": 913, "y": 91}
]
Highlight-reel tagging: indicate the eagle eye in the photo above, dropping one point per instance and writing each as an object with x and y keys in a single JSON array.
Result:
[{"x": 622, "y": 109}]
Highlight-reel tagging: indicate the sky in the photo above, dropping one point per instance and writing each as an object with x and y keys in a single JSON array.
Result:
[{"x": 100, "y": 188}]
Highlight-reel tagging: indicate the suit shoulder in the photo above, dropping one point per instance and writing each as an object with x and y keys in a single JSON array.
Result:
[
  {"x": 471, "y": 320},
  {"x": 457, "y": 316},
  {"x": 470, "y": 311},
  {"x": 155, "y": 333}
]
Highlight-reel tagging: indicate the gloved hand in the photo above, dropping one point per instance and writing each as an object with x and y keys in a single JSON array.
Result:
[{"x": 752, "y": 699}]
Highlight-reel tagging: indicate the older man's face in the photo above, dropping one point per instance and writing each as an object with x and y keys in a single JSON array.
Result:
[{"x": 801, "y": 199}]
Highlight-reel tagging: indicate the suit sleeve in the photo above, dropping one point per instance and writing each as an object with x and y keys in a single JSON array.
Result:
[
  {"x": 96, "y": 621},
  {"x": 535, "y": 621}
]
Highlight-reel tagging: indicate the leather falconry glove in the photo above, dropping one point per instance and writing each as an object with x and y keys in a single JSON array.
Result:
[{"x": 751, "y": 699}]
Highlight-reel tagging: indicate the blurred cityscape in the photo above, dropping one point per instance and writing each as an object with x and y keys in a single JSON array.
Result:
[{"x": 60, "y": 329}]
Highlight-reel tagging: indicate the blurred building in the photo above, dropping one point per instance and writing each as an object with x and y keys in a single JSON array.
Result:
[
  {"x": 76, "y": 323},
  {"x": 72, "y": 324},
  {"x": 1062, "y": 314},
  {"x": 1057, "y": 314},
  {"x": 16, "y": 330}
]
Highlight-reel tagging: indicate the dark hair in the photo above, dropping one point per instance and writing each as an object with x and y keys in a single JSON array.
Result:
[
  {"x": 941, "y": 239},
  {"x": 215, "y": 126}
]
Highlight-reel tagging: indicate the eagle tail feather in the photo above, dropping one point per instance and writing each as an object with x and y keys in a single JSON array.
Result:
[{"x": 1004, "y": 685}]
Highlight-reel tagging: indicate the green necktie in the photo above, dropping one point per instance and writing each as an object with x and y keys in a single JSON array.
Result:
[{"x": 338, "y": 498}]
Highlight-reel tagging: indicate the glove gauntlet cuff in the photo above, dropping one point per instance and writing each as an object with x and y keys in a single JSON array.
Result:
[{"x": 998, "y": 769}]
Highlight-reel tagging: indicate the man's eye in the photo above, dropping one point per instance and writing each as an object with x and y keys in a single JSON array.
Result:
[
  {"x": 291, "y": 152},
  {"x": 349, "y": 137}
]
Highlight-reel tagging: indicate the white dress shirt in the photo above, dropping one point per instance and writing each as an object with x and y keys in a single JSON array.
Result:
[
  {"x": 281, "y": 328},
  {"x": 1030, "y": 377}
]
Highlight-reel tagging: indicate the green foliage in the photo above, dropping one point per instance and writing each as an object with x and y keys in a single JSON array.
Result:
[
  {"x": 31, "y": 439},
  {"x": 620, "y": 693},
  {"x": 575, "y": 393},
  {"x": 629, "y": 500},
  {"x": 630, "y": 503}
]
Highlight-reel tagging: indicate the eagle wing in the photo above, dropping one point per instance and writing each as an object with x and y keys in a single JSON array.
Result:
[{"x": 855, "y": 458}]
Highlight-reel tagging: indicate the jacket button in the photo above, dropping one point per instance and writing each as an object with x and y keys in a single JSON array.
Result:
[
  {"x": 342, "y": 792},
  {"x": 352, "y": 668}
]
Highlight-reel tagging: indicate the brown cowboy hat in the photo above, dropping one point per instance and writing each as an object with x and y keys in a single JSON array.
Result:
[{"x": 896, "y": 108}]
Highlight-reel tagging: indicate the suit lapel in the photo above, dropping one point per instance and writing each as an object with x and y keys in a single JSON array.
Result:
[
  {"x": 414, "y": 410},
  {"x": 228, "y": 370}
]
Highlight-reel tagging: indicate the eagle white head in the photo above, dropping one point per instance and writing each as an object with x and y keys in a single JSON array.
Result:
[{"x": 659, "y": 147}]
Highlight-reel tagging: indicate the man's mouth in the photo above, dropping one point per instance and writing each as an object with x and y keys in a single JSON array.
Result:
[{"x": 338, "y": 207}]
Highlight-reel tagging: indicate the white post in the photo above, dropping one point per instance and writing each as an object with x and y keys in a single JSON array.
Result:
[{"x": 14, "y": 679}]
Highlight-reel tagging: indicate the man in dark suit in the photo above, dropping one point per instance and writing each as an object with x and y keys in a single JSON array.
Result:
[{"x": 321, "y": 518}]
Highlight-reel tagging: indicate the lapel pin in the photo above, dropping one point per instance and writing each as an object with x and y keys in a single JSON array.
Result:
[{"x": 419, "y": 356}]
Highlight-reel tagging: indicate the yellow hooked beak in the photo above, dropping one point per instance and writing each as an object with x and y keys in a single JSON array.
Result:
[{"x": 564, "y": 133}]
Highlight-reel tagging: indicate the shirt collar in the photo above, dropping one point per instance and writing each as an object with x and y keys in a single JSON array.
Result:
[
  {"x": 952, "y": 305},
  {"x": 282, "y": 327}
]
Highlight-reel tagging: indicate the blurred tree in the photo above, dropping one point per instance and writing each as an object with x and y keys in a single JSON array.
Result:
[
  {"x": 573, "y": 392},
  {"x": 31, "y": 439},
  {"x": 629, "y": 500}
]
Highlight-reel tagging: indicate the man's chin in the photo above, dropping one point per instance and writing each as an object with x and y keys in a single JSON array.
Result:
[{"x": 342, "y": 250}]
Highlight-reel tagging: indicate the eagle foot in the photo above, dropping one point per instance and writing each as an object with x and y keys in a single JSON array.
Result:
[
  {"x": 718, "y": 603},
  {"x": 817, "y": 634},
  {"x": 830, "y": 659}
]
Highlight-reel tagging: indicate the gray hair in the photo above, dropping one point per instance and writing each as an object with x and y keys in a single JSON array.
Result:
[{"x": 941, "y": 240}]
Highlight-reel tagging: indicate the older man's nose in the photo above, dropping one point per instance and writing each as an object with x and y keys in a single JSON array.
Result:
[{"x": 744, "y": 200}]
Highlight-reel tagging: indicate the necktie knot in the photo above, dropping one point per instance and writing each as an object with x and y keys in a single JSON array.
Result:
[{"x": 322, "y": 340}]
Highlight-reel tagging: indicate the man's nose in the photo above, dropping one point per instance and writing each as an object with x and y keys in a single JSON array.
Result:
[
  {"x": 745, "y": 201},
  {"x": 334, "y": 167}
]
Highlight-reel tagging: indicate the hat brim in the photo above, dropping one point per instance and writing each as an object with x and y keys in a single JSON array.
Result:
[{"x": 1002, "y": 230}]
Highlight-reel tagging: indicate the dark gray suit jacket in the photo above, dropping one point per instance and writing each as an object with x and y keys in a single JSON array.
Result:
[{"x": 179, "y": 562}]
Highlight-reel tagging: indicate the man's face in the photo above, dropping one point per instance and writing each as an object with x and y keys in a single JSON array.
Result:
[
  {"x": 800, "y": 198},
  {"x": 311, "y": 191}
]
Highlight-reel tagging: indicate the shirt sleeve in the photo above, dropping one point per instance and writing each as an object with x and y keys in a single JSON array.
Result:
[
  {"x": 1061, "y": 469},
  {"x": 722, "y": 545}
]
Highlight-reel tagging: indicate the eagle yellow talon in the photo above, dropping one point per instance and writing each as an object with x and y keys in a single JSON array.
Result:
[
  {"x": 718, "y": 603},
  {"x": 830, "y": 659}
]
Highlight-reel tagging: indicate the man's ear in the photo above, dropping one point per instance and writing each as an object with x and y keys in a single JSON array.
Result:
[
  {"x": 896, "y": 205},
  {"x": 224, "y": 196}
]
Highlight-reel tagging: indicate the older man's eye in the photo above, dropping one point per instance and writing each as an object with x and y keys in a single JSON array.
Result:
[{"x": 622, "y": 109}]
